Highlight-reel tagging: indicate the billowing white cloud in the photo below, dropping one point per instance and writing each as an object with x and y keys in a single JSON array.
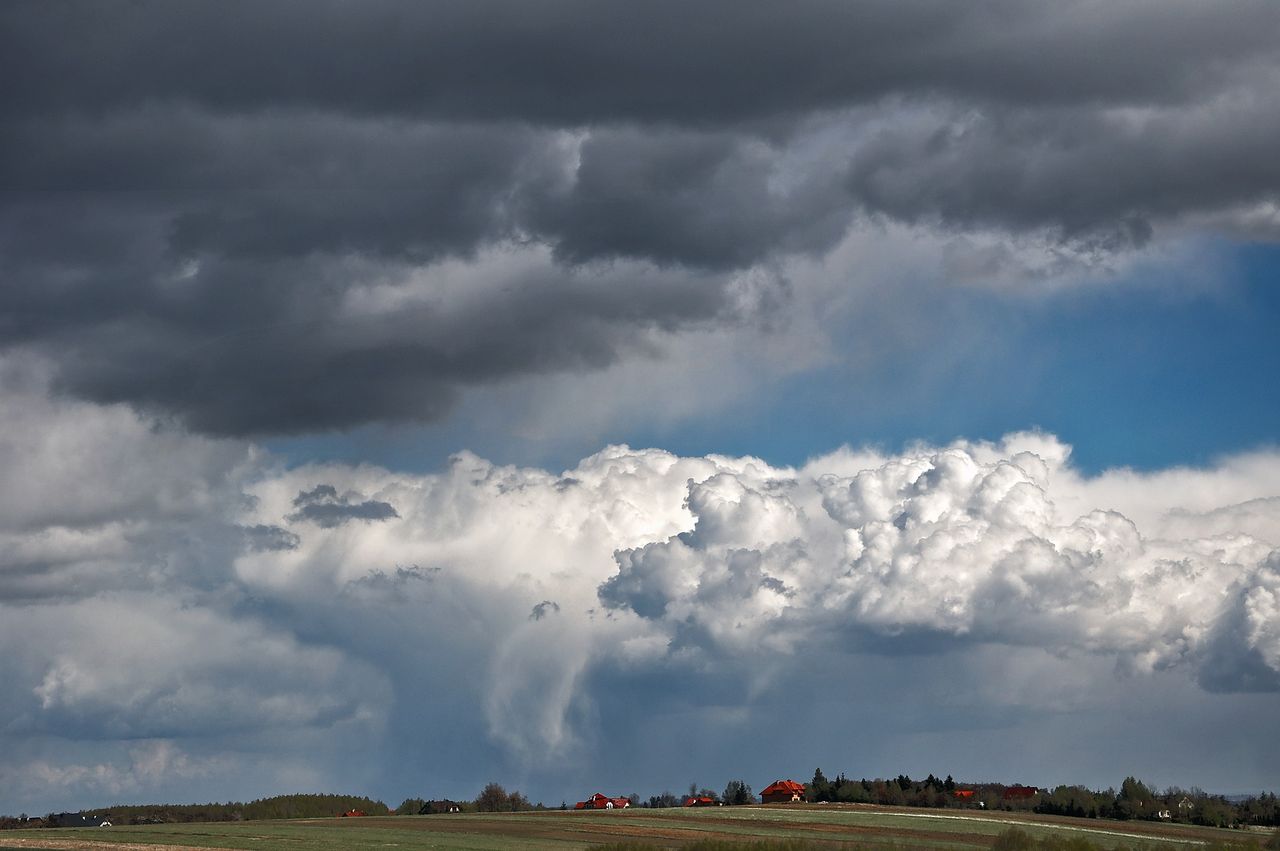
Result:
[
  {"x": 962, "y": 543},
  {"x": 639, "y": 557},
  {"x": 500, "y": 610}
]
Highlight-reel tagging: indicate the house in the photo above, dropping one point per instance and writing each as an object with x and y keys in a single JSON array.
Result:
[
  {"x": 433, "y": 808},
  {"x": 964, "y": 794},
  {"x": 783, "y": 791},
  {"x": 602, "y": 802},
  {"x": 701, "y": 801},
  {"x": 1014, "y": 793},
  {"x": 352, "y": 814}
]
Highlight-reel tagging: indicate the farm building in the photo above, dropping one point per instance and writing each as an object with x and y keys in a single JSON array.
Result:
[
  {"x": 964, "y": 794},
  {"x": 602, "y": 802},
  {"x": 432, "y": 808},
  {"x": 1014, "y": 793},
  {"x": 352, "y": 814},
  {"x": 782, "y": 791},
  {"x": 701, "y": 801},
  {"x": 77, "y": 820}
]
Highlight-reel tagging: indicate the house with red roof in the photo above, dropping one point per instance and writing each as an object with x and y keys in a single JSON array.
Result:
[
  {"x": 602, "y": 802},
  {"x": 782, "y": 791},
  {"x": 1014, "y": 793},
  {"x": 701, "y": 801}
]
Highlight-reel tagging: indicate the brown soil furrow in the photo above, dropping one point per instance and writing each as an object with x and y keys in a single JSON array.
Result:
[{"x": 70, "y": 844}]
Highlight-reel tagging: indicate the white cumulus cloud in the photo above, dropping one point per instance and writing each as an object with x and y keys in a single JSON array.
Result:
[{"x": 523, "y": 613}]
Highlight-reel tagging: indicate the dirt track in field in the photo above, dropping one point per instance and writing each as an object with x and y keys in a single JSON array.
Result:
[
  {"x": 1129, "y": 829},
  {"x": 600, "y": 828},
  {"x": 838, "y": 826},
  {"x": 92, "y": 845},
  {"x": 925, "y": 826}
]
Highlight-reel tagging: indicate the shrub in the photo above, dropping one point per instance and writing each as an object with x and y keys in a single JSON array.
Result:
[{"x": 1014, "y": 839}]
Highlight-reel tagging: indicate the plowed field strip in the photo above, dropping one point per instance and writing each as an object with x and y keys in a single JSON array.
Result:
[
  {"x": 1147, "y": 836},
  {"x": 69, "y": 844}
]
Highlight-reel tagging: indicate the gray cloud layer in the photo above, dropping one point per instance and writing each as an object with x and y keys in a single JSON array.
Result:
[
  {"x": 199, "y": 207},
  {"x": 577, "y": 62}
]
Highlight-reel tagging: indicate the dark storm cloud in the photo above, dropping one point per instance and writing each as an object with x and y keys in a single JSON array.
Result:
[
  {"x": 251, "y": 347},
  {"x": 199, "y": 203},
  {"x": 201, "y": 265},
  {"x": 325, "y": 507},
  {"x": 270, "y": 186},
  {"x": 1091, "y": 175},
  {"x": 701, "y": 199},
  {"x": 577, "y": 61}
]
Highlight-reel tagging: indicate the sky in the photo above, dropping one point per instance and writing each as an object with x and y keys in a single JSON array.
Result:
[{"x": 602, "y": 396}]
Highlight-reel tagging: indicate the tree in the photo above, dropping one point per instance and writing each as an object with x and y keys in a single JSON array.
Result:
[
  {"x": 1135, "y": 800},
  {"x": 1213, "y": 811},
  {"x": 666, "y": 799},
  {"x": 737, "y": 793},
  {"x": 819, "y": 788},
  {"x": 493, "y": 799},
  {"x": 410, "y": 807},
  {"x": 852, "y": 792}
]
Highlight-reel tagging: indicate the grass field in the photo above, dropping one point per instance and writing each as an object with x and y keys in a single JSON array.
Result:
[{"x": 851, "y": 826}]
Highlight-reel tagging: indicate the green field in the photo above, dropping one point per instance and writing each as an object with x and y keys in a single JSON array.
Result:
[{"x": 835, "y": 826}]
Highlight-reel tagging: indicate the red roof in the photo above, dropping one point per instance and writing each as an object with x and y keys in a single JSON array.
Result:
[
  {"x": 963, "y": 793},
  {"x": 601, "y": 802},
  {"x": 784, "y": 786},
  {"x": 1020, "y": 791},
  {"x": 700, "y": 801}
]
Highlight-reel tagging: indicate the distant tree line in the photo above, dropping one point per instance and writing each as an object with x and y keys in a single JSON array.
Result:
[
  {"x": 666, "y": 799},
  {"x": 900, "y": 791},
  {"x": 1134, "y": 800},
  {"x": 279, "y": 807},
  {"x": 492, "y": 799},
  {"x": 735, "y": 793}
]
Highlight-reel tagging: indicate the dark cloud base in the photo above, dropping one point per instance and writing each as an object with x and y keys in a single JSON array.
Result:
[{"x": 199, "y": 208}]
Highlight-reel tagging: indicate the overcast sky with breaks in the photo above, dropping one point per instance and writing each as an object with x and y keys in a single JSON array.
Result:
[{"x": 606, "y": 396}]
